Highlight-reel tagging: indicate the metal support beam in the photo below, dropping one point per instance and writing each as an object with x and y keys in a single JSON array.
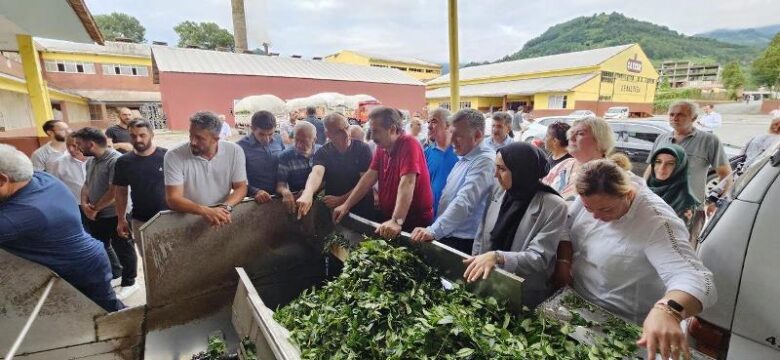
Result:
[
  {"x": 454, "y": 70},
  {"x": 36, "y": 86}
]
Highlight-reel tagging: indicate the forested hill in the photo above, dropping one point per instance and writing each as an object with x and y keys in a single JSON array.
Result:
[{"x": 659, "y": 42}]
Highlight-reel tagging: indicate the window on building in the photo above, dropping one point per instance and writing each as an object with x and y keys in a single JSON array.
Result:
[
  {"x": 122, "y": 69},
  {"x": 445, "y": 105},
  {"x": 465, "y": 104},
  {"x": 69, "y": 67},
  {"x": 95, "y": 112},
  {"x": 556, "y": 102}
]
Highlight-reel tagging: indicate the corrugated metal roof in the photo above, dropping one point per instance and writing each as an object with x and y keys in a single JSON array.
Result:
[
  {"x": 515, "y": 87},
  {"x": 535, "y": 65},
  {"x": 169, "y": 59},
  {"x": 110, "y": 48},
  {"x": 398, "y": 59},
  {"x": 120, "y": 95}
]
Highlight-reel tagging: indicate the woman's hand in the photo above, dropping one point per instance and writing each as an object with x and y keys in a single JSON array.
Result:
[
  {"x": 661, "y": 332},
  {"x": 479, "y": 266}
]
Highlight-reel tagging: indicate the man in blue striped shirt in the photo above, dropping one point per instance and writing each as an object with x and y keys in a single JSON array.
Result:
[
  {"x": 464, "y": 198},
  {"x": 295, "y": 163}
]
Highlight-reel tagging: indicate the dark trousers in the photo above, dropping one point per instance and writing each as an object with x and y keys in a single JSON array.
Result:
[
  {"x": 460, "y": 244},
  {"x": 121, "y": 252}
]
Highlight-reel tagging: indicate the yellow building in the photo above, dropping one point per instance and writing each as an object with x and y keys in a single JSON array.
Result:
[
  {"x": 557, "y": 84},
  {"x": 416, "y": 68}
]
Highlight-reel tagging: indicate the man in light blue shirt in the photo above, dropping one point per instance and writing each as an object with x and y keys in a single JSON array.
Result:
[
  {"x": 502, "y": 124},
  {"x": 440, "y": 156},
  {"x": 464, "y": 197}
]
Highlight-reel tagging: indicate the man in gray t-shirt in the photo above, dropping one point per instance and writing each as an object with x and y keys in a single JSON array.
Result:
[
  {"x": 205, "y": 176},
  {"x": 97, "y": 204}
]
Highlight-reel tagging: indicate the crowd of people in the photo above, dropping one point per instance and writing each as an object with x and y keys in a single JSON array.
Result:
[{"x": 571, "y": 214}]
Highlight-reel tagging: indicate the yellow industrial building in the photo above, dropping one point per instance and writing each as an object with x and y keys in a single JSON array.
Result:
[
  {"x": 416, "y": 68},
  {"x": 557, "y": 84}
]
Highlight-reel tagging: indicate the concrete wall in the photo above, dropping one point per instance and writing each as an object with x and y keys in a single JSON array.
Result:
[{"x": 183, "y": 94}]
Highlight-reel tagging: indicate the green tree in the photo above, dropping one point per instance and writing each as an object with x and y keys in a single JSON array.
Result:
[
  {"x": 119, "y": 25},
  {"x": 207, "y": 35},
  {"x": 766, "y": 68},
  {"x": 733, "y": 78}
]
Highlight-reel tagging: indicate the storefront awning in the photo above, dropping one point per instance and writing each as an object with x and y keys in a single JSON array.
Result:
[{"x": 516, "y": 87}]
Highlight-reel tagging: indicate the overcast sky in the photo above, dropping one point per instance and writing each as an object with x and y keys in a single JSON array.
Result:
[{"x": 489, "y": 29}]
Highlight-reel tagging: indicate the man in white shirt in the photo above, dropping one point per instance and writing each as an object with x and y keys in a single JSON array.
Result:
[
  {"x": 71, "y": 169},
  {"x": 44, "y": 156},
  {"x": 205, "y": 176},
  {"x": 710, "y": 120}
]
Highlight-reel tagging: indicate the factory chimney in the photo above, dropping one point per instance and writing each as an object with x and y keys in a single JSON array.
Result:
[{"x": 239, "y": 26}]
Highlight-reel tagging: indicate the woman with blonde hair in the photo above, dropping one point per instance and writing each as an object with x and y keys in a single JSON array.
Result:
[
  {"x": 590, "y": 138},
  {"x": 632, "y": 257}
]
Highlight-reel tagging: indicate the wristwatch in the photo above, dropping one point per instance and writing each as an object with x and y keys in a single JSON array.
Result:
[
  {"x": 674, "y": 305},
  {"x": 399, "y": 221},
  {"x": 226, "y": 207}
]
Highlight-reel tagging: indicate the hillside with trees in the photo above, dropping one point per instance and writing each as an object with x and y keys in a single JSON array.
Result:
[{"x": 659, "y": 42}]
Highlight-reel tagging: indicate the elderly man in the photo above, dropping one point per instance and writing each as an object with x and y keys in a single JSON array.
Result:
[
  {"x": 704, "y": 151},
  {"x": 405, "y": 197},
  {"x": 311, "y": 118},
  {"x": 340, "y": 163},
  {"x": 502, "y": 125},
  {"x": 205, "y": 176},
  {"x": 97, "y": 202},
  {"x": 710, "y": 121},
  {"x": 71, "y": 170},
  {"x": 141, "y": 171},
  {"x": 760, "y": 143},
  {"x": 261, "y": 149},
  {"x": 43, "y": 157},
  {"x": 440, "y": 155},
  {"x": 119, "y": 134},
  {"x": 295, "y": 163},
  {"x": 39, "y": 221},
  {"x": 464, "y": 198}
]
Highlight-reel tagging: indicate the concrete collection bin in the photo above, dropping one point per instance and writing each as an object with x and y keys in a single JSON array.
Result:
[{"x": 198, "y": 280}]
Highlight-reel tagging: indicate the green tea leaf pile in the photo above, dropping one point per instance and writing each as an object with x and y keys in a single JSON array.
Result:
[{"x": 388, "y": 304}]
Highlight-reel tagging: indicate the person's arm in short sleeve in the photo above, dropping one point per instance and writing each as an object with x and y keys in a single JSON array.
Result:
[
  {"x": 474, "y": 190},
  {"x": 237, "y": 179},
  {"x": 108, "y": 197},
  {"x": 671, "y": 255},
  {"x": 411, "y": 158},
  {"x": 375, "y": 161},
  {"x": 173, "y": 171},
  {"x": 541, "y": 250},
  {"x": 37, "y": 162},
  {"x": 9, "y": 230}
]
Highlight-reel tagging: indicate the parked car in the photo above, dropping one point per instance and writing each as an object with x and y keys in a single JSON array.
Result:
[
  {"x": 740, "y": 246},
  {"x": 616, "y": 112},
  {"x": 582, "y": 113},
  {"x": 537, "y": 130}
]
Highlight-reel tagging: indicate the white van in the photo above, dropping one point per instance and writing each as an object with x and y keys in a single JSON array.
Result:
[
  {"x": 616, "y": 112},
  {"x": 741, "y": 246}
]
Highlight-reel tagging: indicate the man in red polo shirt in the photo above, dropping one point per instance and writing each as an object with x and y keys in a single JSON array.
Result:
[{"x": 405, "y": 196}]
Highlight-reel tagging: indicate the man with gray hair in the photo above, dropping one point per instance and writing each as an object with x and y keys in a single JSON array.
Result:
[
  {"x": 205, "y": 176},
  {"x": 40, "y": 222},
  {"x": 405, "y": 197},
  {"x": 464, "y": 198},
  {"x": 500, "y": 128},
  {"x": 440, "y": 156},
  {"x": 704, "y": 150},
  {"x": 295, "y": 163}
]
